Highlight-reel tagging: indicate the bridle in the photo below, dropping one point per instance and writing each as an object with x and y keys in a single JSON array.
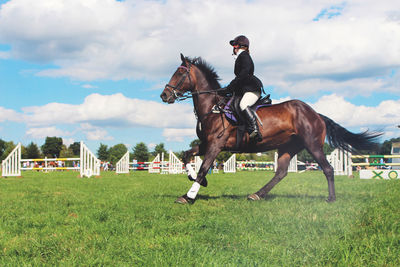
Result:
[{"x": 174, "y": 90}]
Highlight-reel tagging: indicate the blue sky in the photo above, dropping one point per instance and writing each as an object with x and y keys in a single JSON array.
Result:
[{"x": 94, "y": 70}]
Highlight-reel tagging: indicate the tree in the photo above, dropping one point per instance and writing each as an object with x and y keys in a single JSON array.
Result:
[
  {"x": 159, "y": 149},
  {"x": 141, "y": 152},
  {"x": 223, "y": 156},
  {"x": 102, "y": 152},
  {"x": 194, "y": 143},
  {"x": 52, "y": 147},
  {"x": 76, "y": 148},
  {"x": 2, "y": 147},
  {"x": 305, "y": 156},
  {"x": 9, "y": 146},
  {"x": 386, "y": 147},
  {"x": 66, "y": 152},
  {"x": 32, "y": 151},
  {"x": 116, "y": 152}
]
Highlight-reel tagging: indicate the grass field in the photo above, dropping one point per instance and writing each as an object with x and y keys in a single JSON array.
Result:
[{"x": 132, "y": 220}]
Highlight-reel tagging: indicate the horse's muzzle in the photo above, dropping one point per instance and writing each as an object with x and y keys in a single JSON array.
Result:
[{"x": 167, "y": 99}]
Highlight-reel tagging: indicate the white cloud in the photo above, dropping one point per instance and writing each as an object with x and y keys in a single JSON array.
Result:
[
  {"x": 95, "y": 133},
  {"x": 386, "y": 114},
  {"x": 9, "y": 115},
  {"x": 42, "y": 132},
  {"x": 68, "y": 141},
  {"x": 178, "y": 135},
  {"x": 4, "y": 55},
  {"x": 151, "y": 146},
  {"x": 89, "y": 86},
  {"x": 112, "y": 111},
  {"x": 98, "y": 134},
  {"x": 108, "y": 39}
]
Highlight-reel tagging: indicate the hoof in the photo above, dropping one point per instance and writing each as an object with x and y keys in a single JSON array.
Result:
[
  {"x": 330, "y": 200},
  {"x": 191, "y": 178},
  {"x": 253, "y": 197},
  {"x": 184, "y": 200},
  {"x": 204, "y": 182}
]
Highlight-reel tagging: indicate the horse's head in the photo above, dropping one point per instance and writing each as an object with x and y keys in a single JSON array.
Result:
[{"x": 179, "y": 83}]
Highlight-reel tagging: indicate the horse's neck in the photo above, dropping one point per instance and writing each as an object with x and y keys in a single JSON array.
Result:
[{"x": 203, "y": 102}]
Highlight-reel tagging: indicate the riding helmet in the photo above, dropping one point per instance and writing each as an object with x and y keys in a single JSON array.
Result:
[{"x": 240, "y": 40}]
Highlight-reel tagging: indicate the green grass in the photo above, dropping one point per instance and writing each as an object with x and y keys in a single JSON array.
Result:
[{"x": 132, "y": 220}]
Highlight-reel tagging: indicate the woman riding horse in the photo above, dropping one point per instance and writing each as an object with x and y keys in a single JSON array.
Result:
[
  {"x": 246, "y": 85},
  {"x": 293, "y": 126}
]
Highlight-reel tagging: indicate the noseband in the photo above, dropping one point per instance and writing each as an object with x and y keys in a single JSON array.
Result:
[{"x": 173, "y": 89}]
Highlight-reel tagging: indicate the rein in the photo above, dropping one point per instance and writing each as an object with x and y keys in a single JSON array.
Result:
[{"x": 174, "y": 92}]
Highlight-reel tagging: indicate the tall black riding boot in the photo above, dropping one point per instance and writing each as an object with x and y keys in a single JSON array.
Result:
[{"x": 252, "y": 124}]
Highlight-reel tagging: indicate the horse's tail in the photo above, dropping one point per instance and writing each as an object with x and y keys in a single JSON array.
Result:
[{"x": 339, "y": 137}]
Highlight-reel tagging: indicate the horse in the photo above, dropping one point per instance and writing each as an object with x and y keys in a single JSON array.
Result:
[{"x": 289, "y": 127}]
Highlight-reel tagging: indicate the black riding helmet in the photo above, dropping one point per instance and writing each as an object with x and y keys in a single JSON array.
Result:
[{"x": 240, "y": 41}]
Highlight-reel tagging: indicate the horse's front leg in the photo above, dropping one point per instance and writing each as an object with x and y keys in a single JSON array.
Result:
[
  {"x": 211, "y": 153},
  {"x": 187, "y": 155}
]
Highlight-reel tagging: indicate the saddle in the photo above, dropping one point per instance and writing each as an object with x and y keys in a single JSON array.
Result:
[{"x": 232, "y": 112}]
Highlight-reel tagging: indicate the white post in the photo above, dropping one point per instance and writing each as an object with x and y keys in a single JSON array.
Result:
[
  {"x": 11, "y": 166},
  {"x": 230, "y": 164},
  {"x": 175, "y": 165},
  {"x": 122, "y": 165},
  {"x": 292, "y": 164},
  {"x": 90, "y": 164},
  {"x": 155, "y": 165}
]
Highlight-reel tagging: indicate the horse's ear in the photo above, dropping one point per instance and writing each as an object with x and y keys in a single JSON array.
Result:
[{"x": 183, "y": 59}]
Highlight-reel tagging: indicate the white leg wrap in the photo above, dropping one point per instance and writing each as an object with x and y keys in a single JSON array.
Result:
[
  {"x": 193, "y": 190},
  {"x": 191, "y": 171}
]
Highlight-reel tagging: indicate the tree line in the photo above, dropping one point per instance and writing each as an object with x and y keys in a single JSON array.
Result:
[{"x": 53, "y": 147}]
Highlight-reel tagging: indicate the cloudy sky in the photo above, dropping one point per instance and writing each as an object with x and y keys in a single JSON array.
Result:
[{"x": 93, "y": 70}]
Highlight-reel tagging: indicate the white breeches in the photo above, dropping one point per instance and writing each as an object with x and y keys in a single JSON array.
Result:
[{"x": 248, "y": 99}]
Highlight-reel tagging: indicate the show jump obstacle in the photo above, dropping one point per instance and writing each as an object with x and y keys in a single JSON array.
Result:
[
  {"x": 11, "y": 166},
  {"x": 89, "y": 165},
  {"x": 122, "y": 165}
]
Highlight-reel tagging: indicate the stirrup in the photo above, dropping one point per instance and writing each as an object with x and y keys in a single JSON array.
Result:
[{"x": 256, "y": 135}]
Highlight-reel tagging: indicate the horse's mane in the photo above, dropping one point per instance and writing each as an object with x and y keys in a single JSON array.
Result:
[{"x": 209, "y": 71}]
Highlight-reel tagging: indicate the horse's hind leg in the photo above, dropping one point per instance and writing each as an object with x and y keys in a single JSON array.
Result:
[
  {"x": 318, "y": 154},
  {"x": 284, "y": 156}
]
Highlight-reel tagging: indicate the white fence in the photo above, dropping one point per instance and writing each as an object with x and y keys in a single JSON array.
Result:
[
  {"x": 122, "y": 165},
  {"x": 230, "y": 164},
  {"x": 341, "y": 162},
  {"x": 292, "y": 164},
  {"x": 155, "y": 165},
  {"x": 11, "y": 166},
  {"x": 89, "y": 164},
  {"x": 58, "y": 164},
  {"x": 175, "y": 166}
]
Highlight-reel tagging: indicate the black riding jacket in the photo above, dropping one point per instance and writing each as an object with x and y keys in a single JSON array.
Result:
[{"x": 245, "y": 80}]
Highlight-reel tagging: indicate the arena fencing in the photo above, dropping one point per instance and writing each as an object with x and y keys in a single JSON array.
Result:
[
  {"x": 155, "y": 165},
  {"x": 230, "y": 164},
  {"x": 11, "y": 166},
  {"x": 292, "y": 164},
  {"x": 88, "y": 164},
  {"x": 341, "y": 162},
  {"x": 122, "y": 165}
]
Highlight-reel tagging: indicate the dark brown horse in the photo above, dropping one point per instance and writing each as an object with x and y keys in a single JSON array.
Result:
[{"x": 290, "y": 127}]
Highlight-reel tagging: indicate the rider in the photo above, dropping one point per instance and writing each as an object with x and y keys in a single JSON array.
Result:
[{"x": 245, "y": 84}]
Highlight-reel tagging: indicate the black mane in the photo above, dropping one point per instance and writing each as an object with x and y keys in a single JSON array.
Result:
[{"x": 211, "y": 75}]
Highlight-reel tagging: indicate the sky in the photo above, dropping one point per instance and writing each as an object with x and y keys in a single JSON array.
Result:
[{"x": 93, "y": 70}]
